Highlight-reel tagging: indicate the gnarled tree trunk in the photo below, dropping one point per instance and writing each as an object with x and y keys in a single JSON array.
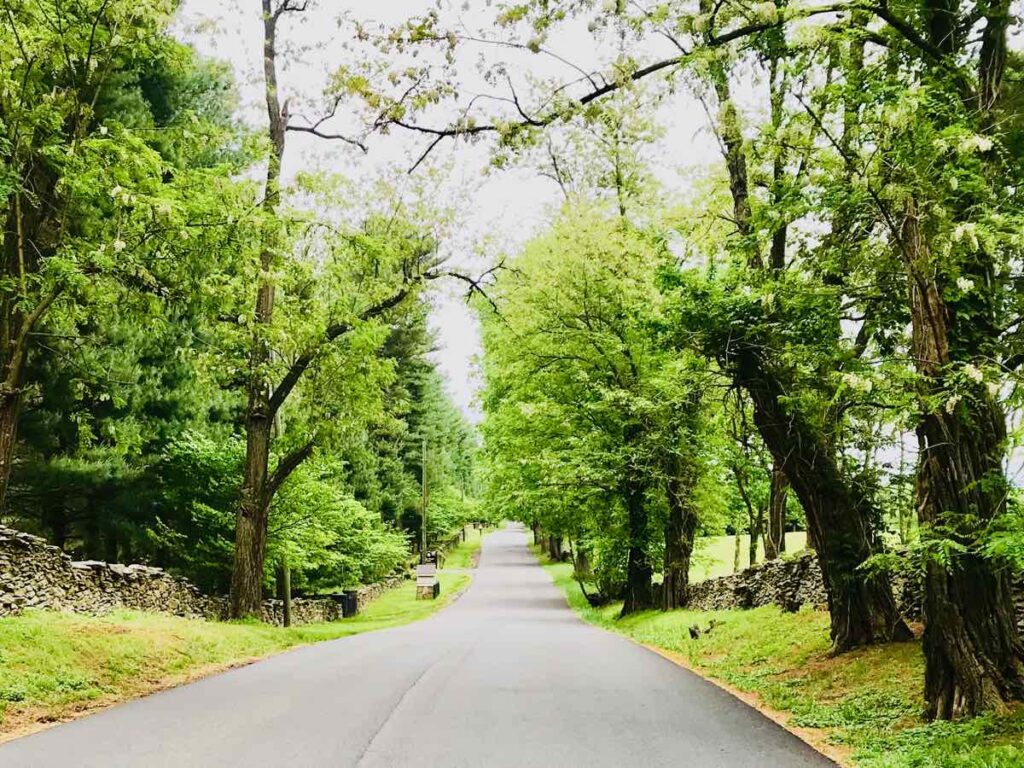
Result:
[
  {"x": 639, "y": 595},
  {"x": 861, "y": 606},
  {"x": 775, "y": 536},
  {"x": 974, "y": 657},
  {"x": 680, "y": 529}
]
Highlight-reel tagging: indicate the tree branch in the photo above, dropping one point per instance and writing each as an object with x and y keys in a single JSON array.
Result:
[
  {"x": 332, "y": 136},
  {"x": 303, "y": 361},
  {"x": 285, "y": 467}
]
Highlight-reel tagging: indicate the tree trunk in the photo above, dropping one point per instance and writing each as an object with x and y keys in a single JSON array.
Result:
[
  {"x": 680, "y": 529},
  {"x": 247, "y": 575},
  {"x": 10, "y": 407},
  {"x": 56, "y": 519},
  {"x": 755, "y": 537},
  {"x": 251, "y": 521},
  {"x": 974, "y": 656},
  {"x": 775, "y": 540},
  {"x": 555, "y": 548},
  {"x": 286, "y": 593},
  {"x": 29, "y": 237},
  {"x": 861, "y": 606},
  {"x": 639, "y": 596}
]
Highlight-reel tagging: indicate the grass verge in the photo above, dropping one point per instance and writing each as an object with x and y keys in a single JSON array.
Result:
[
  {"x": 467, "y": 553},
  {"x": 57, "y": 666},
  {"x": 865, "y": 705}
]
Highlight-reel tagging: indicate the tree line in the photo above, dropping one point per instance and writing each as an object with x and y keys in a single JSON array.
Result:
[
  {"x": 845, "y": 282},
  {"x": 656, "y": 364},
  {"x": 201, "y": 368}
]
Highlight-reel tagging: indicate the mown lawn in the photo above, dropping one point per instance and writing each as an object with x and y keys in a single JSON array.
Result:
[
  {"x": 867, "y": 702},
  {"x": 466, "y": 554},
  {"x": 713, "y": 555},
  {"x": 55, "y": 665}
]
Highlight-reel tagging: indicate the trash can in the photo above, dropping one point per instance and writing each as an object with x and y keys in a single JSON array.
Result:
[{"x": 349, "y": 603}]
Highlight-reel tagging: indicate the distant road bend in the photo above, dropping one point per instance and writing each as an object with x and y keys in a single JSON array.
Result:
[{"x": 506, "y": 676}]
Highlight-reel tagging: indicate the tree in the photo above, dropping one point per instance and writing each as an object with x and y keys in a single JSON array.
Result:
[
  {"x": 394, "y": 273},
  {"x": 590, "y": 427},
  {"x": 97, "y": 202},
  {"x": 944, "y": 222},
  {"x": 862, "y": 605}
]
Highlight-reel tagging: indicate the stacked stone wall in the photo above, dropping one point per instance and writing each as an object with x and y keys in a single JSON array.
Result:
[
  {"x": 372, "y": 591},
  {"x": 788, "y": 583},
  {"x": 793, "y": 582},
  {"x": 35, "y": 574}
]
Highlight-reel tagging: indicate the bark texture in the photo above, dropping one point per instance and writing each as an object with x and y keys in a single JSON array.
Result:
[
  {"x": 680, "y": 529},
  {"x": 775, "y": 536},
  {"x": 974, "y": 657},
  {"x": 638, "y": 595},
  {"x": 861, "y": 606}
]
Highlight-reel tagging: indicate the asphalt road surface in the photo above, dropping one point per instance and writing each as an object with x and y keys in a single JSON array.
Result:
[{"x": 506, "y": 676}]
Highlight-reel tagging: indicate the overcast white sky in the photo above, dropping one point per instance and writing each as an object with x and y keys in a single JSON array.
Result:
[{"x": 498, "y": 211}]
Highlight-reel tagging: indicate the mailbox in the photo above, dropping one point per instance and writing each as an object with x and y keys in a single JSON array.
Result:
[{"x": 427, "y": 585}]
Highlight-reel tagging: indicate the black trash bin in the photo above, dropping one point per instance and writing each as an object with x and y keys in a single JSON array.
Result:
[{"x": 349, "y": 603}]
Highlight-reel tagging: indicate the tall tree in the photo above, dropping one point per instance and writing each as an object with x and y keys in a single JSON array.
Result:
[
  {"x": 706, "y": 41},
  {"x": 387, "y": 276},
  {"x": 945, "y": 226},
  {"x": 95, "y": 200}
]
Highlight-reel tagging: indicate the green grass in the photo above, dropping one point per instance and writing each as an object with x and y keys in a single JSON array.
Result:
[
  {"x": 53, "y": 665},
  {"x": 713, "y": 555},
  {"x": 867, "y": 702},
  {"x": 463, "y": 556}
]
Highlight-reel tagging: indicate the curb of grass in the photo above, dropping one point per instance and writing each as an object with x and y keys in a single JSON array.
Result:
[{"x": 86, "y": 708}]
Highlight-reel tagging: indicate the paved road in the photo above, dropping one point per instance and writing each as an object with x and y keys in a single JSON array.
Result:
[{"x": 506, "y": 676}]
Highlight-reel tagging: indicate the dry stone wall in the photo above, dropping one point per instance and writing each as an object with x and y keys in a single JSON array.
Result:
[
  {"x": 35, "y": 574},
  {"x": 788, "y": 583},
  {"x": 372, "y": 591},
  {"x": 794, "y": 582}
]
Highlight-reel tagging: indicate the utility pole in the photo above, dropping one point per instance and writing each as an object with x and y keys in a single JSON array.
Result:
[
  {"x": 286, "y": 582},
  {"x": 423, "y": 508}
]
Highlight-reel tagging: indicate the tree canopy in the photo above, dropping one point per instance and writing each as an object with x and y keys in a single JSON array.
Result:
[{"x": 212, "y": 364}]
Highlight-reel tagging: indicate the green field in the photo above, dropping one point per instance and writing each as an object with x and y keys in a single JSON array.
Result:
[
  {"x": 55, "y": 665},
  {"x": 864, "y": 705},
  {"x": 713, "y": 555}
]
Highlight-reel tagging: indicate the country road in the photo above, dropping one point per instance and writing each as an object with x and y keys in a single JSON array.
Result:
[{"x": 506, "y": 676}]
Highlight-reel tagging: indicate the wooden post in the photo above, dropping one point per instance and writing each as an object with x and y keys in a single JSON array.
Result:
[{"x": 286, "y": 589}]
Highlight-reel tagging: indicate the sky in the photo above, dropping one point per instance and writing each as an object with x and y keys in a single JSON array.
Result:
[{"x": 496, "y": 211}]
